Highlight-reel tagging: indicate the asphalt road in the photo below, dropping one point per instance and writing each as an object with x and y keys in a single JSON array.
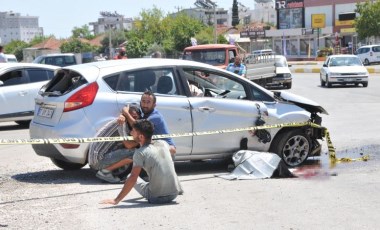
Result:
[{"x": 34, "y": 194}]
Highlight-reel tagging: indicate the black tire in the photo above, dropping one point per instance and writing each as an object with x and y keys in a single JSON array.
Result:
[
  {"x": 328, "y": 84},
  {"x": 366, "y": 62},
  {"x": 66, "y": 165},
  {"x": 293, "y": 146},
  {"x": 323, "y": 83},
  {"x": 24, "y": 123},
  {"x": 365, "y": 84}
]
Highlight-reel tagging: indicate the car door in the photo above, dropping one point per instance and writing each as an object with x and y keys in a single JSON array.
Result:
[
  {"x": 14, "y": 94},
  {"x": 224, "y": 106},
  {"x": 175, "y": 108}
]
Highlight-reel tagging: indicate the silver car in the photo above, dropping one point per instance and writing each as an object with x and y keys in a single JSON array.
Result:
[
  {"x": 81, "y": 99},
  {"x": 19, "y": 84}
]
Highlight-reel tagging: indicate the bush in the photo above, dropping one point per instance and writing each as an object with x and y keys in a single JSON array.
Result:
[{"x": 324, "y": 52}]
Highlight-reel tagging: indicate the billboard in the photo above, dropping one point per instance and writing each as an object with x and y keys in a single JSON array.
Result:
[
  {"x": 318, "y": 21},
  {"x": 290, "y": 18}
]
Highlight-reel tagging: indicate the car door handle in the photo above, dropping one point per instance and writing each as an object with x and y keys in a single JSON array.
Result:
[
  {"x": 206, "y": 109},
  {"x": 22, "y": 93}
]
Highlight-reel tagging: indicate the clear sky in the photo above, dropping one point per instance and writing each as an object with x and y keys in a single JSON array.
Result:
[{"x": 60, "y": 17}]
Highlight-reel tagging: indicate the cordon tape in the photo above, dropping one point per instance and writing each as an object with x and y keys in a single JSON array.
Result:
[{"x": 332, "y": 154}]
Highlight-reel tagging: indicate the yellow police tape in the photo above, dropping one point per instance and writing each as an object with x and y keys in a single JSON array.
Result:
[{"x": 331, "y": 149}]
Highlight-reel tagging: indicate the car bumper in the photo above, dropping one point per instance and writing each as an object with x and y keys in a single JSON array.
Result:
[
  {"x": 280, "y": 81},
  {"x": 348, "y": 79}
]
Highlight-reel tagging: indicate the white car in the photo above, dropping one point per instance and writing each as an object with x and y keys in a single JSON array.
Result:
[
  {"x": 343, "y": 70},
  {"x": 369, "y": 54},
  {"x": 19, "y": 85},
  {"x": 11, "y": 58},
  {"x": 81, "y": 99},
  {"x": 283, "y": 76}
]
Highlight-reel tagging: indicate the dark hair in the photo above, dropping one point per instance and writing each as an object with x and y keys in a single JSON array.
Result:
[
  {"x": 150, "y": 93},
  {"x": 136, "y": 109},
  {"x": 145, "y": 127}
]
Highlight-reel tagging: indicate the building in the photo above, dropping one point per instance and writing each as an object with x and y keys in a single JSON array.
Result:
[
  {"x": 306, "y": 26},
  {"x": 109, "y": 21},
  {"x": 13, "y": 26}
]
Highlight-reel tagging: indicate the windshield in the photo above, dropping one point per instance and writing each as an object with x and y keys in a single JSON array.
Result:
[
  {"x": 345, "y": 61},
  {"x": 212, "y": 57},
  {"x": 281, "y": 62}
]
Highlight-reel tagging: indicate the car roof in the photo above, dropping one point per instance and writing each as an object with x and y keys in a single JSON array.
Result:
[
  {"x": 57, "y": 54},
  {"x": 209, "y": 46},
  {"x": 92, "y": 70},
  {"x": 26, "y": 65},
  {"x": 343, "y": 55}
]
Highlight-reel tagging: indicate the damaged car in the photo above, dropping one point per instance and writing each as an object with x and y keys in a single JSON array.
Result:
[{"x": 193, "y": 97}]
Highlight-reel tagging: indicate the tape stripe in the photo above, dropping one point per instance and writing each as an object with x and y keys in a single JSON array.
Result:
[{"x": 331, "y": 149}]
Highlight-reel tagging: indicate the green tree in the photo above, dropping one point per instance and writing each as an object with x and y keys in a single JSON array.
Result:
[
  {"x": 74, "y": 45},
  {"x": 117, "y": 38},
  {"x": 16, "y": 47},
  {"x": 82, "y": 32},
  {"x": 136, "y": 47},
  {"x": 150, "y": 27},
  {"x": 367, "y": 23},
  {"x": 235, "y": 14}
]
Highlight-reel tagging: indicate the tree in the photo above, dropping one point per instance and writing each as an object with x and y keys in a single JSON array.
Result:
[
  {"x": 136, "y": 47},
  {"x": 235, "y": 14},
  {"x": 16, "y": 47},
  {"x": 82, "y": 32},
  {"x": 367, "y": 23},
  {"x": 74, "y": 45}
]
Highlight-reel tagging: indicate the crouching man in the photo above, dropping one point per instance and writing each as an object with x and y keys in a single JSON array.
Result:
[{"x": 155, "y": 158}]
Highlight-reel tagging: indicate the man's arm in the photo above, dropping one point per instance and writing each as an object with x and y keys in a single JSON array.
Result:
[{"x": 128, "y": 185}]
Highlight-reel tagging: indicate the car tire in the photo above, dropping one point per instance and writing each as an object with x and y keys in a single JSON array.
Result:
[
  {"x": 24, "y": 123},
  {"x": 67, "y": 165},
  {"x": 323, "y": 83},
  {"x": 293, "y": 146},
  {"x": 366, "y": 62},
  {"x": 328, "y": 84},
  {"x": 365, "y": 84}
]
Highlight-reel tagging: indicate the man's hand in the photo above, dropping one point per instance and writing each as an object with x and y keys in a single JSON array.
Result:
[
  {"x": 125, "y": 110},
  {"x": 109, "y": 201},
  {"x": 121, "y": 119}
]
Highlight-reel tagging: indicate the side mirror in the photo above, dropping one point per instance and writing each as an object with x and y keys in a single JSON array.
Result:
[
  {"x": 289, "y": 65},
  {"x": 324, "y": 65},
  {"x": 1, "y": 83}
]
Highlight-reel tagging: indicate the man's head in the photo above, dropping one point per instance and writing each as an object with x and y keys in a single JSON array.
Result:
[
  {"x": 148, "y": 102},
  {"x": 122, "y": 51},
  {"x": 237, "y": 60},
  {"x": 142, "y": 131}
]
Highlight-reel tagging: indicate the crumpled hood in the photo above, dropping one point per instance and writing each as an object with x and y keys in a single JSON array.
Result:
[{"x": 302, "y": 102}]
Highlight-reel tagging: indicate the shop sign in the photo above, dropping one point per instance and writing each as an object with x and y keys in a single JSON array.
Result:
[
  {"x": 344, "y": 23},
  {"x": 253, "y": 34},
  {"x": 307, "y": 31},
  {"x": 318, "y": 20},
  {"x": 289, "y": 4},
  {"x": 348, "y": 30}
]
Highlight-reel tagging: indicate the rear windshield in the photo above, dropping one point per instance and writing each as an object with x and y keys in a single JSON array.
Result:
[
  {"x": 63, "y": 82},
  {"x": 212, "y": 57}
]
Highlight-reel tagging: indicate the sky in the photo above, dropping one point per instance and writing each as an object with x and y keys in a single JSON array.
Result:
[{"x": 58, "y": 18}]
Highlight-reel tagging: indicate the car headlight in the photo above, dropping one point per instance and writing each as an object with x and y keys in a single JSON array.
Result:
[
  {"x": 334, "y": 74},
  {"x": 363, "y": 73},
  {"x": 287, "y": 75}
]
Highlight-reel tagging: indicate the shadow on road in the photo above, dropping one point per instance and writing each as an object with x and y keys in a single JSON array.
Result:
[{"x": 12, "y": 126}]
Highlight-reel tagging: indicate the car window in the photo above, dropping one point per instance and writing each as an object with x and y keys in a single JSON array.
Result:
[
  {"x": 14, "y": 77},
  {"x": 210, "y": 84},
  {"x": 376, "y": 49},
  {"x": 63, "y": 82},
  {"x": 36, "y": 75},
  {"x": 160, "y": 81}
]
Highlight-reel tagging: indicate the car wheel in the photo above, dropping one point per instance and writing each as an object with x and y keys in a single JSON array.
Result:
[
  {"x": 23, "y": 123},
  {"x": 67, "y": 165},
  {"x": 293, "y": 146},
  {"x": 365, "y": 84},
  {"x": 327, "y": 82},
  {"x": 322, "y": 81},
  {"x": 366, "y": 62}
]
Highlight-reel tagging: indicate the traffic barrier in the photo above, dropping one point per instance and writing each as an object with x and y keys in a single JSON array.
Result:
[{"x": 331, "y": 150}]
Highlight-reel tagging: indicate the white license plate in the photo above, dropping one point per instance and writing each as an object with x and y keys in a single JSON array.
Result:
[{"x": 45, "y": 112}]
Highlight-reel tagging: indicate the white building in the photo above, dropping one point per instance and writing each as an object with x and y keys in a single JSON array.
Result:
[
  {"x": 13, "y": 26},
  {"x": 109, "y": 21}
]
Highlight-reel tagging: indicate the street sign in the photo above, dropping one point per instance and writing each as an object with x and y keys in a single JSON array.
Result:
[
  {"x": 252, "y": 34},
  {"x": 307, "y": 31}
]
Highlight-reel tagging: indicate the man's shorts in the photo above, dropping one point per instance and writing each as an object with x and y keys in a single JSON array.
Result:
[{"x": 116, "y": 156}]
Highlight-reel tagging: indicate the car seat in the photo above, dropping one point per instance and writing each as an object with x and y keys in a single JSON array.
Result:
[
  {"x": 164, "y": 85},
  {"x": 144, "y": 80}
]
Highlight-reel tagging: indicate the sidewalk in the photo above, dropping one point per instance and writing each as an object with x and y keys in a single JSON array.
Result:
[{"x": 315, "y": 66}]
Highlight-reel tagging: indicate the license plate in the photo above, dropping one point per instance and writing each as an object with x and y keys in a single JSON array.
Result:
[{"x": 45, "y": 112}]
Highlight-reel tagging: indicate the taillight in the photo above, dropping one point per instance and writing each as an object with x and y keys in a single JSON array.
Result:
[{"x": 82, "y": 98}]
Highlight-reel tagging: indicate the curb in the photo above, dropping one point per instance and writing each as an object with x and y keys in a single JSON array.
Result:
[{"x": 317, "y": 70}]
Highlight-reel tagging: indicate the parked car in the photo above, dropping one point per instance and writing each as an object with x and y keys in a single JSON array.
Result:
[
  {"x": 343, "y": 69},
  {"x": 283, "y": 76},
  {"x": 369, "y": 54},
  {"x": 11, "y": 58},
  {"x": 60, "y": 59},
  {"x": 81, "y": 99},
  {"x": 265, "y": 52},
  {"x": 19, "y": 84}
]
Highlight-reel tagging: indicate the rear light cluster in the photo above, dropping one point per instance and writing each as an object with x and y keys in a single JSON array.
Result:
[{"x": 82, "y": 98}]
